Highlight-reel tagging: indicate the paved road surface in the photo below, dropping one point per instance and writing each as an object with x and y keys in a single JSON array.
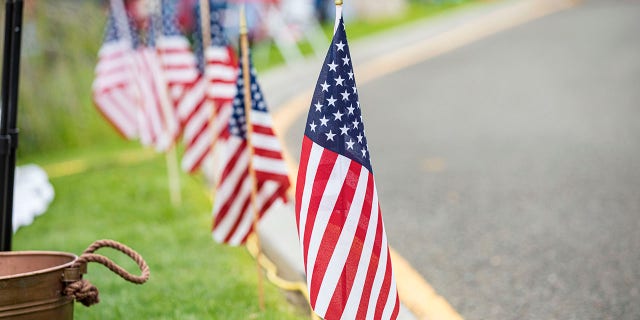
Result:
[{"x": 509, "y": 169}]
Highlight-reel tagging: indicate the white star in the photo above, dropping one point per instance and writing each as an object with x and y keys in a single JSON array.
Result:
[
  {"x": 345, "y": 61},
  {"x": 339, "y": 81},
  {"x": 325, "y": 86},
  {"x": 330, "y": 135},
  {"x": 350, "y": 75},
  {"x": 338, "y": 115},
  {"x": 313, "y": 126},
  {"x": 345, "y": 95},
  {"x": 332, "y": 66},
  {"x": 350, "y": 144},
  {"x": 364, "y": 152},
  {"x": 355, "y": 90},
  {"x": 358, "y": 103},
  {"x": 318, "y": 106},
  {"x": 351, "y": 108},
  {"x": 340, "y": 46},
  {"x": 359, "y": 136},
  {"x": 332, "y": 101},
  {"x": 344, "y": 130},
  {"x": 355, "y": 124},
  {"x": 323, "y": 121}
]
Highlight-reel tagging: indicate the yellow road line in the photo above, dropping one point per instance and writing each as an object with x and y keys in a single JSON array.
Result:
[{"x": 415, "y": 292}]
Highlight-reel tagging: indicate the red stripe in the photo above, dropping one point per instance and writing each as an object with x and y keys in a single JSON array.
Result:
[
  {"x": 263, "y": 130},
  {"x": 396, "y": 308},
  {"x": 334, "y": 228},
  {"x": 227, "y": 203},
  {"x": 204, "y": 127},
  {"x": 268, "y": 153},
  {"x": 239, "y": 219},
  {"x": 384, "y": 290},
  {"x": 371, "y": 273},
  {"x": 302, "y": 174},
  {"x": 228, "y": 167},
  {"x": 343, "y": 289},
  {"x": 325, "y": 166}
]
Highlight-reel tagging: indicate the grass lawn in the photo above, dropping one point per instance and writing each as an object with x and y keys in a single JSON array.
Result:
[{"x": 192, "y": 277}]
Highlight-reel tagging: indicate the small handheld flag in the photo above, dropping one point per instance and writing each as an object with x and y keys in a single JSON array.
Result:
[
  {"x": 233, "y": 218},
  {"x": 339, "y": 219}
]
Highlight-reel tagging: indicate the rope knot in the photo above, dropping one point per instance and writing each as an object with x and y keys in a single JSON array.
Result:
[{"x": 83, "y": 291}]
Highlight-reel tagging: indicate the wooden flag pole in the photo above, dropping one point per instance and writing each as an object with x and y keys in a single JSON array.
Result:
[
  {"x": 173, "y": 173},
  {"x": 246, "y": 75},
  {"x": 205, "y": 26}
]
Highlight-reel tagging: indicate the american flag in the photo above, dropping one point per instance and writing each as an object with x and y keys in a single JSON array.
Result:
[
  {"x": 177, "y": 60},
  {"x": 339, "y": 220},
  {"x": 215, "y": 88},
  {"x": 232, "y": 211},
  {"x": 158, "y": 122},
  {"x": 112, "y": 88}
]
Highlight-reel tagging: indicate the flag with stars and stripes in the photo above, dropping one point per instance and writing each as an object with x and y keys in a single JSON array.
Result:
[
  {"x": 174, "y": 50},
  {"x": 232, "y": 212},
  {"x": 113, "y": 91},
  {"x": 158, "y": 126},
  {"x": 339, "y": 220},
  {"x": 212, "y": 93}
]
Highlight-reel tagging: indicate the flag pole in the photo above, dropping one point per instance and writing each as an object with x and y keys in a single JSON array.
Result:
[
  {"x": 205, "y": 26},
  {"x": 171, "y": 155},
  {"x": 246, "y": 74}
]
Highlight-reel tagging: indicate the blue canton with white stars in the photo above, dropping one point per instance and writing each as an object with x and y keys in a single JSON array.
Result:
[
  {"x": 237, "y": 122},
  {"x": 335, "y": 119}
]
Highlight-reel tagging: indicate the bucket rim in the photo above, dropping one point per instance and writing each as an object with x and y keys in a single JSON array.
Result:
[{"x": 38, "y": 253}]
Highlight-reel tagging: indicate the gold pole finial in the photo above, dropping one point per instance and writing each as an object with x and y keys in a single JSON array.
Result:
[
  {"x": 243, "y": 21},
  {"x": 338, "y": 2}
]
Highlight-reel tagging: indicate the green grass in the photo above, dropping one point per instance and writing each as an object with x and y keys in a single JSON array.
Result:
[{"x": 192, "y": 277}]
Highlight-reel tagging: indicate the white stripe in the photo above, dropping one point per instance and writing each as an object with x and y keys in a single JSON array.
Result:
[
  {"x": 108, "y": 65},
  {"x": 222, "y": 90},
  {"x": 178, "y": 60},
  {"x": 245, "y": 225},
  {"x": 195, "y": 151},
  {"x": 353, "y": 302},
  {"x": 223, "y": 227},
  {"x": 217, "y": 53},
  {"x": 191, "y": 99},
  {"x": 113, "y": 47},
  {"x": 181, "y": 75},
  {"x": 172, "y": 42},
  {"x": 267, "y": 142},
  {"x": 391, "y": 299},
  {"x": 327, "y": 203},
  {"x": 261, "y": 118},
  {"x": 343, "y": 246},
  {"x": 377, "y": 282},
  {"x": 199, "y": 118},
  {"x": 221, "y": 72},
  {"x": 269, "y": 165},
  {"x": 312, "y": 166},
  {"x": 225, "y": 190}
]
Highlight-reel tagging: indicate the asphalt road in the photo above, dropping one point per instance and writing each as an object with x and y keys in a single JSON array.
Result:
[{"x": 509, "y": 169}]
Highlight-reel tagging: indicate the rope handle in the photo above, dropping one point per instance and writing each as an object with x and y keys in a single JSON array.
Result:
[{"x": 86, "y": 293}]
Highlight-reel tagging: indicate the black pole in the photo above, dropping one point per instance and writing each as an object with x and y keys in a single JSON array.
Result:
[{"x": 9, "y": 117}]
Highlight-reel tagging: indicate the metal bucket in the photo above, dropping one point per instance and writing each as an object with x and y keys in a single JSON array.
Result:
[{"x": 31, "y": 285}]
